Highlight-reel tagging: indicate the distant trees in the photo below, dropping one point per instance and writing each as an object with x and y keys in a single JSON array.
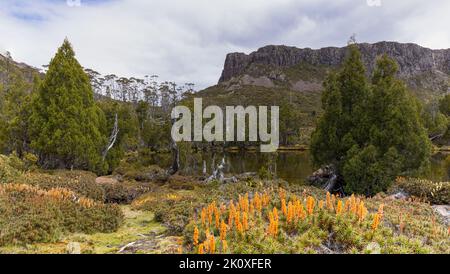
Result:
[
  {"x": 67, "y": 127},
  {"x": 371, "y": 132},
  {"x": 15, "y": 94}
]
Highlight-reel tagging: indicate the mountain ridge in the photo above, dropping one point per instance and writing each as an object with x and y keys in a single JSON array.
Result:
[{"x": 420, "y": 67}]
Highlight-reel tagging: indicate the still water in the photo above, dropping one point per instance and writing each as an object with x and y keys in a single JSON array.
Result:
[{"x": 293, "y": 167}]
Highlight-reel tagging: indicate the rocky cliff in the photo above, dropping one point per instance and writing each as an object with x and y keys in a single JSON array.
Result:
[{"x": 421, "y": 68}]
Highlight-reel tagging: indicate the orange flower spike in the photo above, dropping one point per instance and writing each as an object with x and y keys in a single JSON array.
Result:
[
  {"x": 237, "y": 217},
  {"x": 231, "y": 215},
  {"x": 212, "y": 244},
  {"x": 339, "y": 207},
  {"x": 301, "y": 212},
  {"x": 201, "y": 250},
  {"x": 310, "y": 205},
  {"x": 283, "y": 207},
  {"x": 347, "y": 205},
  {"x": 210, "y": 217},
  {"x": 223, "y": 230},
  {"x": 376, "y": 221},
  {"x": 290, "y": 214},
  {"x": 333, "y": 200},
  {"x": 207, "y": 232},
  {"x": 275, "y": 213},
  {"x": 353, "y": 204},
  {"x": 203, "y": 216},
  {"x": 217, "y": 218},
  {"x": 321, "y": 204},
  {"x": 245, "y": 221},
  {"x": 328, "y": 201},
  {"x": 195, "y": 238}
]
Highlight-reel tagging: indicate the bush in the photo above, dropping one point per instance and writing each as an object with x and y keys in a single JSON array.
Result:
[
  {"x": 81, "y": 182},
  {"x": 433, "y": 192},
  {"x": 171, "y": 208},
  {"x": 124, "y": 192},
  {"x": 8, "y": 169},
  {"x": 30, "y": 214},
  {"x": 137, "y": 172}
]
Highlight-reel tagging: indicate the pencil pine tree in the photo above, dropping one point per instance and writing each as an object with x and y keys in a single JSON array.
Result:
[{"x": 67, "y": 127}]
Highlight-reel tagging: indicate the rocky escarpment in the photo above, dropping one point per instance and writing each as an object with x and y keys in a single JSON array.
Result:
[{"x": 422, "y": 68}]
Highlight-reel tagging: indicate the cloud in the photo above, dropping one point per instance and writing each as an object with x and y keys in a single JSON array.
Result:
[{"x": 187, "y": 40}]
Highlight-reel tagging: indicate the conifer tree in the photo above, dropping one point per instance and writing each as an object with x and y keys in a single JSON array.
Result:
[
  {"x": 68, "y": 129},
  {"x": 370, "y": 132}
]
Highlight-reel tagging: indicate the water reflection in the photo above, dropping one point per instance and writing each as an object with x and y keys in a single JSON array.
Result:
[{"x": 293, "y": 167}]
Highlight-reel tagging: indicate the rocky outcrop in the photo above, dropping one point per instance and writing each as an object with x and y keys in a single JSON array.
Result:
[{"x": 421, "y": 67}]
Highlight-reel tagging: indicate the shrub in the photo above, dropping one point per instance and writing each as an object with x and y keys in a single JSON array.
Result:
[
  {"x": 433, "y": 192},
  {"x": 8, "y": 169},
  {"x": 30, "y": 214},
  {"x": 124, "y": 192},
  {"x": 81, "y": 182},
  {"x": 171, "y": 208},
  {"x": 138, "y": 172}
]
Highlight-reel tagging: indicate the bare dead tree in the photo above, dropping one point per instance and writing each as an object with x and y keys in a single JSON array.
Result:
[{"x": 112, "y": 137}]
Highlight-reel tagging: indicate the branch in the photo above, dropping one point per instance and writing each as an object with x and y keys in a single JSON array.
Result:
[{"x": 112, "y": 138}]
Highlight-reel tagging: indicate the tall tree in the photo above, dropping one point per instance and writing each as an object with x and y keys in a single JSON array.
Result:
[
  {"x": 370, "y": 132},
  {"x": 68, "y": 128}
]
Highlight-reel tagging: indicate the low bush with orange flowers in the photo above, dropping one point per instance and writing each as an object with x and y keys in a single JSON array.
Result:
[{"x": 31, "y": 214}]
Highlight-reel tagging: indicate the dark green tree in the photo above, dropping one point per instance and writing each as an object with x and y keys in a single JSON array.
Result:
[
  {"x": 68, "y": 129},
  {"x": 344, "y": 101},
  {"x": 370, "y": 132}
]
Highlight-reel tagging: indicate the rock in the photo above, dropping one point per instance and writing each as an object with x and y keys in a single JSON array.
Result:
[
  {"x": 373, "y": 248},
  {"x": 321, "y": 176},
  {"x": 106, "y": 180},
  {"x": 444, "y": 213},
  {"x": 420, "y": 67},
  {"x": 73, "y": 248},
  {"x": 401, "y": 195}
]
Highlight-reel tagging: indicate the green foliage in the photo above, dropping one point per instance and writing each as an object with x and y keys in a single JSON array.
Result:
[
  {"x": 8, "y": 170},
  {"x": 15, "y": 100},
  {"x": 66, "y": 125},
  {"x": 171, "y": 208},
  {"x": 129, "y": 132},
  {"x": 433, "y": 192},
  {"x": 370, "y": 132},
  {"x": 30, "y": 214},
  {"x": 444, "y": 105}
]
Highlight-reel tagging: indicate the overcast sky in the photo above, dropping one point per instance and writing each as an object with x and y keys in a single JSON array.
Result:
[{"x": 187, "y": 40}]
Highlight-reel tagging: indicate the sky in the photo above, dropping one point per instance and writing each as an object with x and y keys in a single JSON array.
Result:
[{"x": 187, "y": 40}]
